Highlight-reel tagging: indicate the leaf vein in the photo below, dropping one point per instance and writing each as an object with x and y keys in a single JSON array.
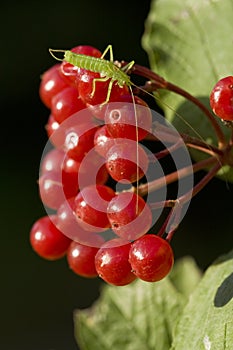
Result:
[{"x": 144, "y": 340}]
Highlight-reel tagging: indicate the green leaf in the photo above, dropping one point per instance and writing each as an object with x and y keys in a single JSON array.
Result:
[
  {"x": 189, "y": 43},
  {"x": 140, "y": 316},
  {"x": 135, "y": 317},
  {"x": 207, "y": 319}
]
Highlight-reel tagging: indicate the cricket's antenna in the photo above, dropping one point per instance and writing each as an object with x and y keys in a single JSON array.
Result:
[
  {"x": 172, "y": 109},
  {"x": 137, "y": 153},
  {"x": 52, "y": 51}
]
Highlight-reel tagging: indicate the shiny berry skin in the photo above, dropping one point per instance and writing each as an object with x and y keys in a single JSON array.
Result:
[
  {"x": 75, "y": 136},
  {"x": 66, "y": 222},
  {"x": 55, "y": 132},
  {"x": 221, "y": 98},
  {"x": 127, "y": 161},
  {"x": 129, "y": 215},
  {"x": 112, "y": 263},
  {"x": 151, "y": 258},
  {"x": 66, "y": 103},
  {"x": 103, "y": 141},
  {"x": 51, "y": 189},
  {"x": 47, "y": 241},
  {"x": 85, "y": 87},
  {"x": 93, "y": 165},
  {"x": 58, "y": 173},
  {"x": 51, "y": 84},
  {"x": 73, "y": 172},
  {"x": 130, "y": 118},
  {"x": 91, "y": 207},
  {"x": 81, "y": 259},
  {"x": 79, "y": 139},
  {"x": 70, "y": 168},
  {"x": 52, "y": 161},
  {"x": 51, "y": 126}
]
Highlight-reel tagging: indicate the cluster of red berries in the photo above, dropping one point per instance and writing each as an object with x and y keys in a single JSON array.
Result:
[{"x": 93, "y": 146}]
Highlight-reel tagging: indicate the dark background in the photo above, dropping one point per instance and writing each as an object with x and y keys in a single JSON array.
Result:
[{"x": 38, "y": 297}]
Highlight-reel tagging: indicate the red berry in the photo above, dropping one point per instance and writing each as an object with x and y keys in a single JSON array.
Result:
[
  {"x": 81, "y": 259},
  {"x": 79, "y": 140},
  {"x": 103, "y": 141},
  {"x": 70, "y": 169},
  {"x": 112, "y": 263},
  {"x": 87, "y": 50},
  {"x": 75, "y": 135},
  {"x": 91, "y": 207},
  {"x": 66, "y": 173},
  {"x": 130, "y": 118},
  {"x": 85, "y": 87},
  {"x": 75, "y": 173},
  {"x": 58, "y": 173},
  {"x": 127, "y": 161},
  {"x": 66, "y": 221},
  {"x": 151, "y": 258},
  {"x": 66, "y": 103},
  {"x": 93, "y": 165},
  {"x": 129, "y": 215},
  {"x": 52, "y": 161},
  {"x": 51, "y": 126},
  {"x": 47, "y": 241},
  {"x": 55, "y": 132},
  {"x": 51, "y": 189},
  {"x": 51, "y": 84},
  {"x": 221, "y": 98},
  {"x": 67, "y": 224}
]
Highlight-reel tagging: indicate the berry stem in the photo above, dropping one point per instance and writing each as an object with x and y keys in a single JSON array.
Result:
[
  {"x": 183, "y": 199},
  {"x": 231, "y": 138},
  {"x": 175, "y": 215},
  {"x": 166, "y": 135},
  {"x": 157, "y": 82},
  {"x": 170, "y": 203},
  {"x": 178, "y": 174},
  {"x": 176, "y": 204},
  {"x": 168, "y": 150},
  {"x": 165, "y": 223},
  {"x": 193, "y": 142}
]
